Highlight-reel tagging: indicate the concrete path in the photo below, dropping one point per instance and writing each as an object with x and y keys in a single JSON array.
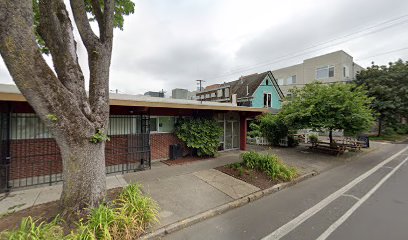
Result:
[{"x": 231, "y": 186}]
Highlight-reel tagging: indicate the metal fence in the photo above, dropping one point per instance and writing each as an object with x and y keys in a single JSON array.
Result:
[{"x": 30, "y": 156}]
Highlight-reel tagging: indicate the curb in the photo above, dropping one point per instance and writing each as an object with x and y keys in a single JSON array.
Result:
[{"x": 173, "y": 227}]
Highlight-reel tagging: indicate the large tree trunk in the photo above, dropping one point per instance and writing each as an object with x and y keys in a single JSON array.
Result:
[
  {"x": 84, "y": 175},
  {"x": 379, "y": 127},
  {"x": 61, "y": 94},
  {"x": 331, "y": 137}
]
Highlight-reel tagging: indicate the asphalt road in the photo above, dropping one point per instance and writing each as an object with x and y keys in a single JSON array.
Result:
[{"x": 362, "y": 199}]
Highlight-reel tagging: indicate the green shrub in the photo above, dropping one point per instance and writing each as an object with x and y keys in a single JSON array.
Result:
[
  {"x": 126, "y": 218},
  {"x": 255, "y": 130},
  {"x": 200, "y": 134},
  {"x": 32, "y": 229},
  {"x": 273, "y": 128},
  {"x": 270, "y": 164},
  {"x": 235, "y": 165},
  {"x": 292, "y": 141},
  {"x": 313, "y": 138}
]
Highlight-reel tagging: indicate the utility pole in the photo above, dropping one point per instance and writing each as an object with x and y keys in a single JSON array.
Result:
[
  {"x": 200, "y": 81},
  {"x": 200, "y": 88}
]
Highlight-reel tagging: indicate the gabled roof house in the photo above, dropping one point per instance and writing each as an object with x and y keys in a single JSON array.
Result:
[{"x": 259, "y": 90}]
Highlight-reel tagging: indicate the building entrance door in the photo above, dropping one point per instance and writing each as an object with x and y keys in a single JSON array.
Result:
[{"x": 231, "y": 133}]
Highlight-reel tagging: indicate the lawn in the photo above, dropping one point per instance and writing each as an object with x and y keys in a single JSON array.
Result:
[{"x": 392, "y": 138}]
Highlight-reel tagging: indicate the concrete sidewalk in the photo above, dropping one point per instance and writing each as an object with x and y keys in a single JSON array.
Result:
[
  {"x": 184, "y": 190},
  {"x": 25, "y": 198}
]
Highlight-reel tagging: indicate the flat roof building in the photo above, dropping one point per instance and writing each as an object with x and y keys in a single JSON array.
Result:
[
  {"x": 141, "y": 129},
  {"x": 328, "y": 68}
]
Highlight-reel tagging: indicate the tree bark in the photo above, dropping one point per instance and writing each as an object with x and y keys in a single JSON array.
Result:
[
  {"x": 379, "y": 127},
  {"x": 84, "y": 175},
  {"x": 63, "y": 94},
  {"x": 331, "y": 137}
]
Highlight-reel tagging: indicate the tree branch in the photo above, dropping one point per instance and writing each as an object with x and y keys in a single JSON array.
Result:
[
  {"x": 96, "y": 9},
  {"x": 54, "y": 18},
  {"x": 88, "y": 37},
  {"x": 99, "y": 64},
  {"x": 108, "y": 14},
  {"x": 34, "y": 77}
]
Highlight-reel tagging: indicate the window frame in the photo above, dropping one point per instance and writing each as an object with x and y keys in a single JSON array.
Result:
[
  {"x": 267, "y": 100},
  {"x": 158, "y": 124},
  {"x": 327, "y": 69}
]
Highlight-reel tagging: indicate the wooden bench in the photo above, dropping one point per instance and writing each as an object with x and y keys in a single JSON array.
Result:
[{"x": 326, "y": 147}]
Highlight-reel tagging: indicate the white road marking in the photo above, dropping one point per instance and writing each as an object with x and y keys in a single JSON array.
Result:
[
  {"x": 352, "y": 196},
  {"x": 388, "y": 167},
  {"x": 345, "y": 216},
  {"x": 294, "y": 223}
]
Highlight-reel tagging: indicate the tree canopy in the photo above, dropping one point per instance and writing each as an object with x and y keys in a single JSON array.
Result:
[
  {"x": 79, "y": 118},
  {"x": 328, "y": 107},
  {"x": 388, "y": 85}
]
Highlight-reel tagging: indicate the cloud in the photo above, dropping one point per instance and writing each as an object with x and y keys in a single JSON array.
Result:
[{"x": 169, "y": 44}]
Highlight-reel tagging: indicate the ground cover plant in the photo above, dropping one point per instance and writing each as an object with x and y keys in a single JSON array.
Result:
[
  {"x": 126, "y": 217},
  {"x": 269, "y": 164},
  {"x": 262, "y": 171}
]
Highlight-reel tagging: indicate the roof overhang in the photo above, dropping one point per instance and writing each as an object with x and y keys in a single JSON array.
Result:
[{"x": 150, "y": 102}]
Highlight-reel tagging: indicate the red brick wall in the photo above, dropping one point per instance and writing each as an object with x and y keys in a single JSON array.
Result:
[
  {"x": 39, "y": 157},
  {"x": 160, "y": 143},
  {"x": 34, "y": 157}
]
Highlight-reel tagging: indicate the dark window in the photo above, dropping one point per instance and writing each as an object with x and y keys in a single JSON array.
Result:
[
  {"x": 153, "y": 124},
  {"x": 267, "y": 82},
  {"x": 267, "y": 100},
  {"x": 331, "y": 72}
]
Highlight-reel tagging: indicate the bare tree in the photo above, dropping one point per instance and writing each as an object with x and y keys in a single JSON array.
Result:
[{"x": 78, "y": 122}]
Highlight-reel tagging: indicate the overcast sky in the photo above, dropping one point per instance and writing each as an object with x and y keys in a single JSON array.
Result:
[{"x": 170, "y": 43}]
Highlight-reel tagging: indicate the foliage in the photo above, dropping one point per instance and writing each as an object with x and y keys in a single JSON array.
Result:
[
  {"x": 127, "y": 217},
  {"x": 390, "y": 137},
  {"x": 270, "y": 164},
  {"x": 200, "y": 134},
  {"x": 99, "y": 136},
  {"x": 122, "y": 8},
  {"x": 313, "y": 138},
  {"x": 292, "y": 141},
  {"x": 52, "y": 117},
  {"x": 31, "y": 229},
  {"x": 332, "y": 107},
  {"x": 273, "y": 128},
  {"x": 388, "y": 85},
  {"x": 255, "y": 129}
]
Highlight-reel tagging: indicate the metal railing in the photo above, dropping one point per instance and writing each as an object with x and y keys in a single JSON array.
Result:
[{"x": 30, "y": 156}]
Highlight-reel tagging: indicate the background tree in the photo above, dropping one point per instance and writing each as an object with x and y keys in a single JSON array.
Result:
[
  {"x": 273, "y": 128},
  {"x": 29, "y": 28},
  {"x": 388, "y": 85},
  {"x": 329, "y": 107}
]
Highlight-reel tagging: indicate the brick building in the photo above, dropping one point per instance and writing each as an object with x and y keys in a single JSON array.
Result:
[{"x": 141, "y": 129}]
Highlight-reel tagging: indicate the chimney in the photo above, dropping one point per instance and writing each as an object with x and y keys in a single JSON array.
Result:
[
  {"x": 234, "y": 99},
  {"x": 247, "y": 87}
]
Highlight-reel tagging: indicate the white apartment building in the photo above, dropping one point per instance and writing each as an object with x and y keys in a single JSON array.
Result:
[{"x": 329, "y": 68}]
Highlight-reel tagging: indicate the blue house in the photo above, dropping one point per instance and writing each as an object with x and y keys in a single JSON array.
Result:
[{"x": 259, "y": 90}]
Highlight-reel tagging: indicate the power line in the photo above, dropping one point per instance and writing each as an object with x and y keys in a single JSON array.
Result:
[
  {"x": 288, "y": 56},
  {"x": 383, "y": 53},
  {"x": 341, "y": 37}
]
